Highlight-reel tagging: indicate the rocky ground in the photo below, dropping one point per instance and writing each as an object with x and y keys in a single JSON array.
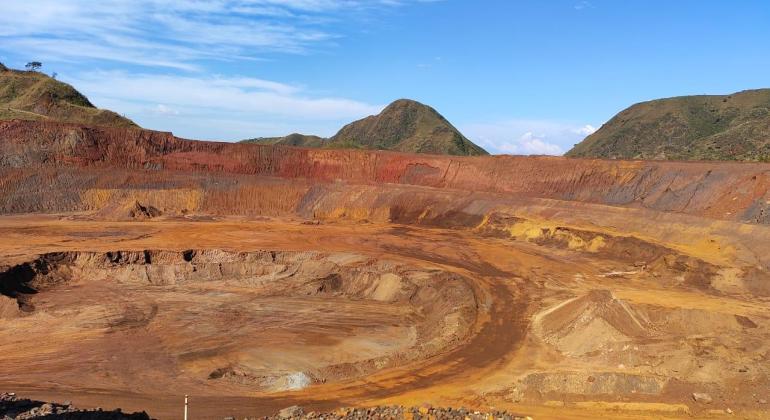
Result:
[
  {"x": 13, "y": 407},
  {"x": 393, "y": 412}
]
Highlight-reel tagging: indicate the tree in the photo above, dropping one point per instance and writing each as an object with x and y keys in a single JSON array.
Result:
[
  {"x": 34, "y": 65},
  {"x": 53, "y": 75}
]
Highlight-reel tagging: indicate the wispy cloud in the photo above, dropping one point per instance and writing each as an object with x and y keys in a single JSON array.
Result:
[
  {"x": 522, "y": 136},
  {"x": 585, "y": 130},
  {"x": 162, "y": 109},
  {"x": 241, "y": 94},
  {"x": 172, "y": 33},
  {"x": 582, "y": 5},
  {"x": 208, "y": 107}
]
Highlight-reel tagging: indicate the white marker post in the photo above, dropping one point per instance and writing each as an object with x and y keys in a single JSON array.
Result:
[{"x": 185, "y": 407}]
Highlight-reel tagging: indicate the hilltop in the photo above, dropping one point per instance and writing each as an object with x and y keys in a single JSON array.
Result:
[
  {"x": 703, "y": 127},
  {"x": 404, "y": 125},
  {"x": 294, "y": 139},
  {"x": 31, "y": 95}
]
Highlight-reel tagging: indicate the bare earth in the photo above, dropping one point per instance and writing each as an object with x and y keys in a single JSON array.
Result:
[
  {"x": 137, "y": 267},
  {"x": 543, "y": 330}
]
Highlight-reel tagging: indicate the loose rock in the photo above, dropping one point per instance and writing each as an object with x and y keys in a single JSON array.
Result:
[
  {"x": 702, "y": 397},
  {"x": 424, "y": 412},
  {"x": 292, "y": 412}
]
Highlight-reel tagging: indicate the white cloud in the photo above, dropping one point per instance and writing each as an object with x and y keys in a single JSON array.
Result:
[
  {"x": 210, "y": 107},
  {"x": 532, "y": 145},
  {"x": 161, "y": 109},
  {"x": 582, "y": 5},
  {"x": 238, "y": 94},
  {"x": 171, "y": 33},
  {"x": 521, "y": 136},
  {"x": 586, "y": 130}
]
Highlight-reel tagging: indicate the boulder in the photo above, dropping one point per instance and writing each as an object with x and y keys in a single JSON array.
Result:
[
  {"x": 291, "y": 412},
  {"x": 702, "y": 397}
]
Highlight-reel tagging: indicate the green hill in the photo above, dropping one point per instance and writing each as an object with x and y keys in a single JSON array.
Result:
[
  {"x": 30, "y": 95},
  {"x": 295, "y": 139},
  {"x": 404, "y": 126},
  {"x": 703, "y": 127}
]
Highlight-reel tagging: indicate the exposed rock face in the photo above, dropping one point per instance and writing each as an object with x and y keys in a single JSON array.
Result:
[
  {"x": 9, "y": 308},
  {"x": 428, "y": 311},
  {"x": 395, "y": 413},
  {"x": 55, "y": 167},
  {"x": 623, "y": 281},
  {"x": 30, "y": 95},
  {"x": 138, "y": 211},
  {"x": 713, "y": 127},
  {"x": 406, "y": 126},
  {"x": 702, "y": 397}
]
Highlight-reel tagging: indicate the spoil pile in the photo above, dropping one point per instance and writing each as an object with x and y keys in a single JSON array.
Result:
[
  {"x": 16, "y": 408},
  {"x": 587, "y": 323},
  {"x": 394, "y": 412}
]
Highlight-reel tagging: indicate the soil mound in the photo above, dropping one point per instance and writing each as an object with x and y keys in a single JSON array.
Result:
[
  {"x": 587, "y": 323},
  {"x": 17, "y": 408},
  {"x": 394, "y": 412}
]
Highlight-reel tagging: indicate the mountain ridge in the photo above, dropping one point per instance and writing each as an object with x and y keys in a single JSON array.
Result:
[
  {"x": 407, "y": 126},
  {"x": 694, "y": 127},
  {"x": 404, "y": 125},
  {"x": 31, "y": 95},
  {"x": 293, "y": 139}
]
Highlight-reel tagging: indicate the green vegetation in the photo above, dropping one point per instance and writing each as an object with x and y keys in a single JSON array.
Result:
[
  {"x": 295, "y": 139},
  {"x": 705, "y": 127},
  {"x": 29, "y": 95},
  {"x": 404, "y": 126},
  {"x": 33, "y": 65}
]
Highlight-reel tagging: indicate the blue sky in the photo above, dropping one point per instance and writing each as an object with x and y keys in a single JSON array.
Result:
[{"x": 515, "y": 76}]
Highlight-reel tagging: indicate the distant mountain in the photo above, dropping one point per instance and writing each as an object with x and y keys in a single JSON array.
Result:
[
  {"x": 295, "y": 139},
  {"x": 703, "y": 127},
  {"x": 31, "y": 95},
  {"x": 404, "y": 126}
]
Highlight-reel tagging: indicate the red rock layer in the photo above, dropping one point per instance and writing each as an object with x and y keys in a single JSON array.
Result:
[{"x": 46, "y": 166}]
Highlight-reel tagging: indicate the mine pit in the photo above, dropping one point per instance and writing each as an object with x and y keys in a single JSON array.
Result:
[
  {"x": 216, "y": 320},
  {"x": 141, "y": 267}
]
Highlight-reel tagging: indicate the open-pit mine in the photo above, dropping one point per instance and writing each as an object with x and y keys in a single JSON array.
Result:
[{"x": 137, "y": 267}]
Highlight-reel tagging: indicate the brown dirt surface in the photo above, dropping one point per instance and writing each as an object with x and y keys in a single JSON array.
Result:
[{"x": 267, "y": 277}]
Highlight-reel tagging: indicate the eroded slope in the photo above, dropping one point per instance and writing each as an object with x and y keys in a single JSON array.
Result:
[{"x": 213, "y": 321}]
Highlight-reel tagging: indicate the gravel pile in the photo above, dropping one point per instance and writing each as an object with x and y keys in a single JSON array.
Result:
[
  {"x": 13, "y": 407},
  {"x": 394, "y": 412}
]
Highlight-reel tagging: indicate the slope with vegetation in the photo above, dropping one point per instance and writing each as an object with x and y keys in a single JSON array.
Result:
[
  {"x": 294, "y": 139},
  {"x": 404, "y": 125},
  {"x": 703, "y": 127},
  {"x": 31, "y": 95}
]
